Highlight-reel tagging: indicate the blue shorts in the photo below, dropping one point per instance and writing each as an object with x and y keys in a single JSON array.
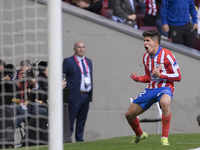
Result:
[{"x": 150, "y": 96}]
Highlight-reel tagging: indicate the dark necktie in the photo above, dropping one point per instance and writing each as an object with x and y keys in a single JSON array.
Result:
[
  {"x": 84, "y": 71},
  {"x": 83, "y": 66}
]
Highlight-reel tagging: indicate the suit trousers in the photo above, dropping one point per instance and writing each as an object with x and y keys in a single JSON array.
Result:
[
  {"x": 78, "y": 111},
  {"x": 149, "y": 20}
]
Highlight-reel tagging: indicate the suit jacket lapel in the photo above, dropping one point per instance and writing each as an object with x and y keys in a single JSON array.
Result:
[
  {"x": 76, "y": 64},
  {"x": 90, "y": 66}
]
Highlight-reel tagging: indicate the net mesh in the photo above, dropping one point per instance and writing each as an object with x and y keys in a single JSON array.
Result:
[{"x": 23, "y": 36}]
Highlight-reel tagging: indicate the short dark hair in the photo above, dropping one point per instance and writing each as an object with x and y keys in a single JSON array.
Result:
[
  {"x": 152, "y": 34},
  {"x": 42, "y": 66}
]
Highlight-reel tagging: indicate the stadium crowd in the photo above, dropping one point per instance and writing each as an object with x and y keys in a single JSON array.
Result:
[
  {"x": 24, "y": 91},
  {"x": 151, "y": 14}
]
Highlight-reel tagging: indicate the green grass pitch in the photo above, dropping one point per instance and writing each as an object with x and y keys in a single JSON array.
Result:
[{"x": 177, "y": 142}]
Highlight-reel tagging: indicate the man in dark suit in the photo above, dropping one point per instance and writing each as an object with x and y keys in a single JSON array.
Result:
[
  {"x": 124, "y": 12},
  {"x": 78, "y": 70}
]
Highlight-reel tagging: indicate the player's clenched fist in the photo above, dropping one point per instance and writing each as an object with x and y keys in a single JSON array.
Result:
[
  {"x": 156, "y": 71},
  {"x": 135, "y": 77}
]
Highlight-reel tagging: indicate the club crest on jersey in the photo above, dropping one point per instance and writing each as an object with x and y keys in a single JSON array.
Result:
[{"x": 157, "y": 65}]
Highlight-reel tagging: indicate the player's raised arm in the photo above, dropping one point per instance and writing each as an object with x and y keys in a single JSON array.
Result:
[
  {"x": 144, "y": 79},
  {"x": 174, "y": 72},
  {"x": 134, "y": 76}
]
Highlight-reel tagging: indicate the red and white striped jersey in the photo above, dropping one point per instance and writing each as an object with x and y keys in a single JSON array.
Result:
[
  {"x": 169, "y": 72},
  {"x": 151, "y": 7}
]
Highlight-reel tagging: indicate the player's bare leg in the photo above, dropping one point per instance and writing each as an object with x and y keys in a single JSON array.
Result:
[
  {"x": 133, "y": 111},
  {"x": 131, "y": 116},
  {"x": 166, "y": 118}
]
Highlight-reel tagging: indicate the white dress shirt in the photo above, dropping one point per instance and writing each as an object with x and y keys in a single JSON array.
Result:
[{"x": 82, "y": 86}]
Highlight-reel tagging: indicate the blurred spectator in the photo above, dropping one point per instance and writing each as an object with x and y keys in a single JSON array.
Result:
[
  {"x": 175, "y": 17},
  {"x": 110, "y": 6},
  {"x": 2, "y": 84},
  {"x": 2, "y": 66},
  {"x": 42, "y": 79},
  {"x": 158, "y": 19},
  {"x": 151, "y": 10},
  {"x": 24, "y": 66},
  {"x": 26, "y": 99},
  {"x": 7, "y": 74},
  {"x": 7, "y": 71},
  {"x": 198, "y": 20},
  {"x": 142, "y": 6},
  {"x": 91, "y": 5},
  {"x": 124, "y": 12},
  {"x": 6, "y": 95}
]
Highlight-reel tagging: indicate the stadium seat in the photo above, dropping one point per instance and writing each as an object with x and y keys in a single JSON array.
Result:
[
  {"x": 197, "y": 45},
  {"x": 137, "y": 8},
  {"x": 157, "y": 119},
  {"x": 140, "y": 20},
  {"x": 66, "y": 2},
  {"x": 105, "y": 4},
  {"x": 105, "y": 10},
  {"x": 197, "y": 3}
]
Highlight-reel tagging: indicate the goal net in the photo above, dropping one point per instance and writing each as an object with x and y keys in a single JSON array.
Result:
[{"x": 26, "y": 62}]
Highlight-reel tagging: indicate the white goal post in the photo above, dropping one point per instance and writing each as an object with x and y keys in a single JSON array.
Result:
[
  {"x": 55, "y": 70},
  {"x": 32, "y": 31}
]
